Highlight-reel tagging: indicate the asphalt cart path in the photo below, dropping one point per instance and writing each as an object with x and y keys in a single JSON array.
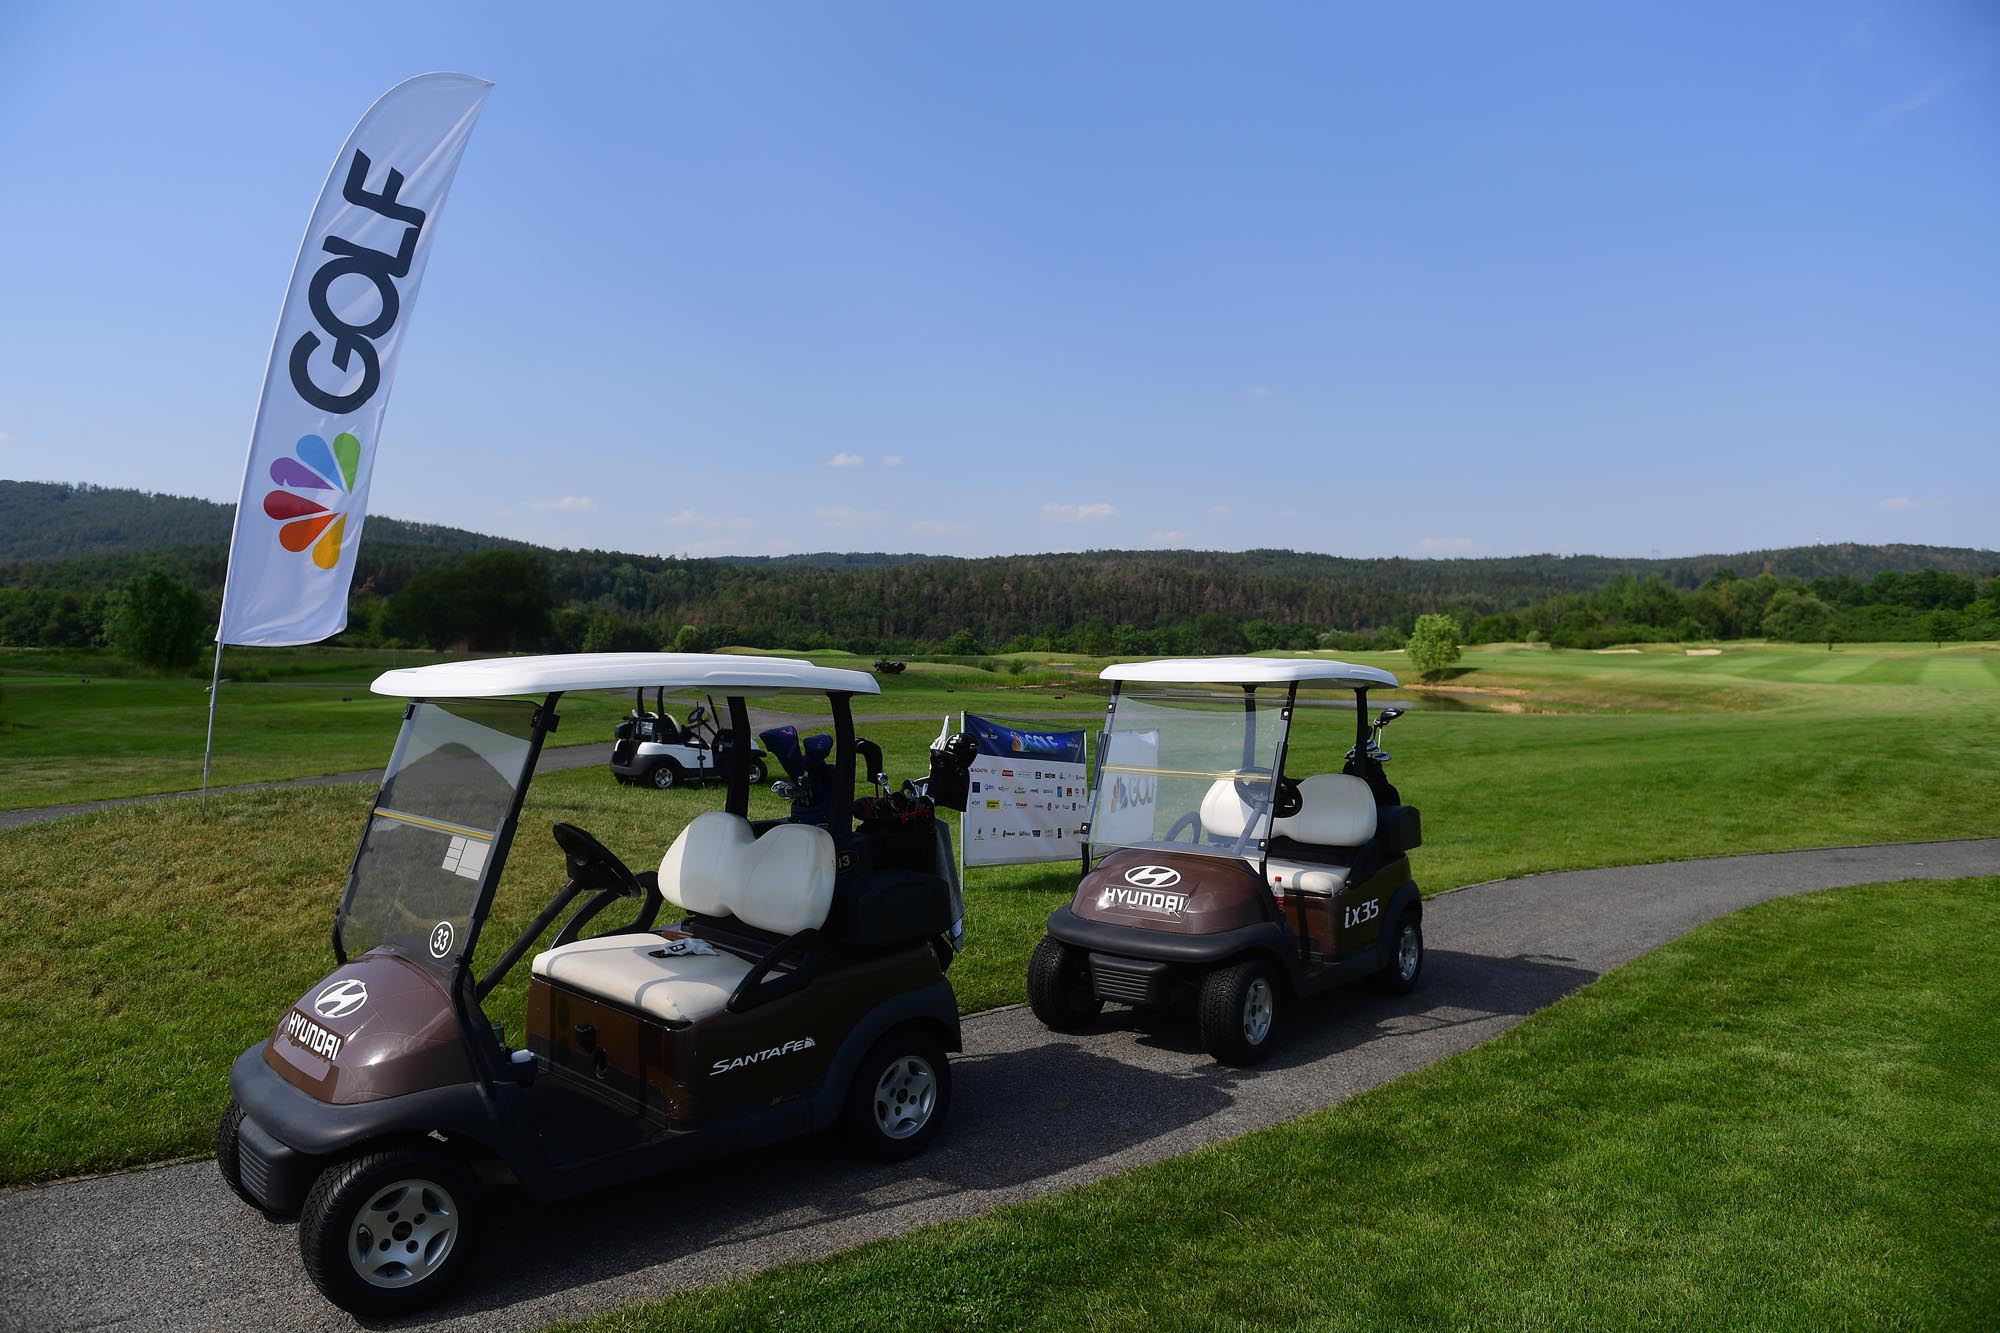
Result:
[{"x": 171, "y": 1248}]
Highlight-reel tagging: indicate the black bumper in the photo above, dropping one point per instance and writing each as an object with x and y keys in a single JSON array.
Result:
[
  {"x": 1160, "y": 947},
  {"x": 313, "y": 1128}
]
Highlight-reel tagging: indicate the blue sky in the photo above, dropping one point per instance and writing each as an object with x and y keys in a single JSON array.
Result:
[{"x": 1372, "y": 280}]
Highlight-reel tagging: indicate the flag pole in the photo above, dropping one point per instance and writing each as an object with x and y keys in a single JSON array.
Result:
[{"x": 208, "y": 748}]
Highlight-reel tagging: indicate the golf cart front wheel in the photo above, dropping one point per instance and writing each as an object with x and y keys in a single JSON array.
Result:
[
  {"x": 899, "y": 1097},
  {"x": 387, "y": 1233},
  {"x": 1059, "y": 988},
  {"x": 1238, "y": 1012},
  {"x": 666, "y": 775},
  {"x": 1406, "y": 957}
]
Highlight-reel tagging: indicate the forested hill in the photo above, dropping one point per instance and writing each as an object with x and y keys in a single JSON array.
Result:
[
  {"x": 83, "y": 542},
  {"x": 42, "y": 520}
]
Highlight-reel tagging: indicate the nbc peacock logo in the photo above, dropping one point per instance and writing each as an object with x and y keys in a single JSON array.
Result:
[{"x": 318, "y": 483}]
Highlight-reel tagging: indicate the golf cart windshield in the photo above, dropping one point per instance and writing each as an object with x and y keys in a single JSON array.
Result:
[
  {"x": 1188, "y": 768},
  {"x": 444, "y": 802}
]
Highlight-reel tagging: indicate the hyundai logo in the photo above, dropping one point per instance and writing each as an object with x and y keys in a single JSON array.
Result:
[
  {"x": 341, "y": 998},
  {"x": 1153, "y": 877}
]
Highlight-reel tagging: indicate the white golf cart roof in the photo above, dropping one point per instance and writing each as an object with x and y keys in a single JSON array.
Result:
[
  {"x": 1249, "y": 671},
  {"x": 498, "y": 677}
]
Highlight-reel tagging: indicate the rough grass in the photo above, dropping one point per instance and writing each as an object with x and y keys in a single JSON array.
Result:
[{"x": 1788, "y": 1119}]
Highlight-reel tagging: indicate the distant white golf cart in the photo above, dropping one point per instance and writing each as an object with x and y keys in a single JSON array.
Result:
[{"x": 653, "y": 748}]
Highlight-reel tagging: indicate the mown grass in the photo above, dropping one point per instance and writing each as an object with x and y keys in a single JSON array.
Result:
[
  {"x": 146, "y": 947},
  {"x": 1789, "y": 1118}
]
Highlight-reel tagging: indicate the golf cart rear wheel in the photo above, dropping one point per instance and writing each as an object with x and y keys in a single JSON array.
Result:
[
  {"x": 389, "y": 1232},
  {"x": 1238, "y": 1012},
  {"x": 899, "y": 1097},
  {"x": 666, "y": 775},
  {"x": 1406, "y": 957},
  {"x": 1059, "y": 988},
  {"x": 758, "y": 772}
]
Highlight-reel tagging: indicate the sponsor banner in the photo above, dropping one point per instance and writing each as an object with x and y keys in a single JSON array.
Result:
[
  {"x": 312, "y": 450},
  {"x": 1028, "y": 800}
]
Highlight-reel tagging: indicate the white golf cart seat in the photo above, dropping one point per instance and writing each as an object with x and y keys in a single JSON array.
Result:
[
  {"x": 1225, "y": 814},
  {"x": 1336, "y": 810},
  {"x": 718, "y": 866}
]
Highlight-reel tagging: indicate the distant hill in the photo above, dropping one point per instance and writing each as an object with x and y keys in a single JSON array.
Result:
[
  {"x": 87, "y": 539},
  {"x": 42, "y": 520}
]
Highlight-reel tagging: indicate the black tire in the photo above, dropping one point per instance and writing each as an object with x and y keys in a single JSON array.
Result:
[
  {"x": 1400, "y": 976},
  {"x": 363, "y": 1190},
  {"x": 227, "y": 1159},
  {"x": 666, "y": 775},
  {"x": 1059, "y": 987},
  {"x": 758, "y": 772},
  {"x": 899, "y": 1098},
  {"x": 1238, "y": 1012}
]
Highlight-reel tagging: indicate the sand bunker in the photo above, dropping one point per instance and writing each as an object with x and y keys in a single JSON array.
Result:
[{"x": 1704, "y": 652}]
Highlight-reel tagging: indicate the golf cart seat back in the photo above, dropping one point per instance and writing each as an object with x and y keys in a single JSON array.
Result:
[
  {"x": 1335, "y": 810},
  {"x": 1224, "y": 814},
  {"x": 781, "y": 882}
]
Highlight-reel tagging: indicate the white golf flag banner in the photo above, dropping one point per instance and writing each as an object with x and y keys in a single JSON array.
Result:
[
  {"x": 312, "y": 451},
  {"x": 1028, "y": 798}
]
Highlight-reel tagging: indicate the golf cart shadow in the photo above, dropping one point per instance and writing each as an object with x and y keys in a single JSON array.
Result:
[
  {"x": 1459, "y": 990},
  {"x": 1020, "y": 1117}
]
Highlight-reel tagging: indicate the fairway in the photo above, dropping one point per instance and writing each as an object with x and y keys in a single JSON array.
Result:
[{"x": 185, "y": 938}]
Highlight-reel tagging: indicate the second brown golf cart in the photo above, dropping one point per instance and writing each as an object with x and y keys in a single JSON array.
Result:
[{"x": 1216, "y": 882}]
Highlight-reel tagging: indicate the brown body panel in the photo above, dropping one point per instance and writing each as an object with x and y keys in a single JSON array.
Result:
[
  {"x": 686, "y": 1074},
  {"x": 1338, "y": 925},
  {"x": 380, "y": 1026},
  {"x": 1173, "y": 891}
]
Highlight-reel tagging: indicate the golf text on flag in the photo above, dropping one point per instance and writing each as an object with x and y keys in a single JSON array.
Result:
[
  {"x": 1028, "y": 800},
  {"x": 312, "y": 451}
]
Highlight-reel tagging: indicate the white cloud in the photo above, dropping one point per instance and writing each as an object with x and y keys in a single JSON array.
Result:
[
  {"x": 940, "y": 527},
  {"x": 1218, "y": 511},
  {"x": 1168, "y": 537},
  {"x": 845, "y": 460},
  {"x": 1917, "y": 101},
  {"x": 570, "y": 503},
  {"x": 505, "y": 513},
  {"x": 689, "y": 518},
  {"x": 1094, "y": 512},
  {"x": 1288, "y": 513},
  {"x": 4, "y": 437},
  {"x": 1445, "y": 544},
  {"x": 1932, "y": 499},
  {"x": 892, "y": 460},
  {"x": 846, "y": 516},
  {"x": 1259, "y": 391}
]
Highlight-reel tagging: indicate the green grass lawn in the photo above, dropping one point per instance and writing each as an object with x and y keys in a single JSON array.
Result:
[
  {"x": 1788, "y": 1119},
  {"x": 146, "y": 947}
]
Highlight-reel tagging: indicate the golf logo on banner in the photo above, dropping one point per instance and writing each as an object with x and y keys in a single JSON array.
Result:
[
  {"x": 326, "y": 385},
  {"x": 1028, "y": 799}
]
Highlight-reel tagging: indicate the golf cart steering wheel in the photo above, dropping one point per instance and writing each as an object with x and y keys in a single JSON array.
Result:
[
  {"x": 592, "y": 865},
  {"x": 1190, "y": 821},
  {"x": 1285, "y": 802}
]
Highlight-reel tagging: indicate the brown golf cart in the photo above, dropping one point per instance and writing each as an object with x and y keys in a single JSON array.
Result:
[
  {"x": 800, "y": 984},
  {"x": 1216, "y": 882}
]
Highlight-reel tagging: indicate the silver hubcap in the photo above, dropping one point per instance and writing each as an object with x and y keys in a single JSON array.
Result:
[
  {"x": 1257, "y": 1012},
  {"x": 905, "y": 1097},
  {"x": 403, "y": 1234},
  {"x": 1408, "y": 950}
]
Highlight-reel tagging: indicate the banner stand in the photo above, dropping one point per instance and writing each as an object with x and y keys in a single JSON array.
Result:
[{"x": 208, "y": 747}]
